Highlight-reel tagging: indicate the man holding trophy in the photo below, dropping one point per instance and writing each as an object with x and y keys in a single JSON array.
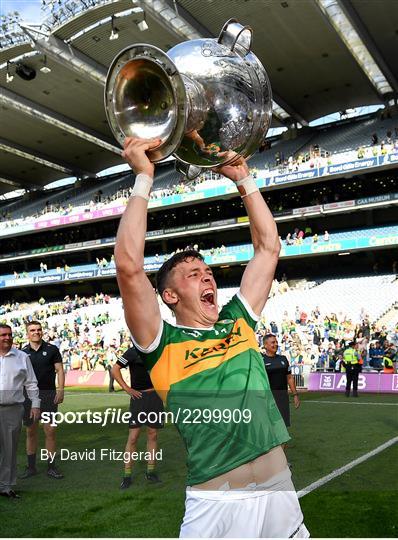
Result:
[{"x": 207, "y": 368}]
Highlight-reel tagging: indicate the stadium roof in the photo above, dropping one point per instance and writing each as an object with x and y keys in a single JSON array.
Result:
[{"x": 54, "y": 125}]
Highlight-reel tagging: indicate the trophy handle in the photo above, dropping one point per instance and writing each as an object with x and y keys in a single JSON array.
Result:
[{"x": 236, "y": 37}]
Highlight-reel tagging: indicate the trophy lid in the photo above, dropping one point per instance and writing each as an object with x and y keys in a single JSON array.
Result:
[{"x": 145, "y": 97}]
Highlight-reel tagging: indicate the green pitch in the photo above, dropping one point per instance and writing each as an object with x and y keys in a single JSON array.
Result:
[{"x": 327, "y": 433}]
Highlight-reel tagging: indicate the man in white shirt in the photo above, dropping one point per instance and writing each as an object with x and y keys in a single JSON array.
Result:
[{"x": 16, "y": 373}]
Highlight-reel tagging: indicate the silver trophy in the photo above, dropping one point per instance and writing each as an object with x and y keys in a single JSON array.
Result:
[{"x": 208, "y": 100}]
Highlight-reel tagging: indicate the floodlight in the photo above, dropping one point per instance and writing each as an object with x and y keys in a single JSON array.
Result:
[
  {"x": 114, "y": 32},
  {"x": 143, "y": 25},
  {"x": 45, "y": 68}
]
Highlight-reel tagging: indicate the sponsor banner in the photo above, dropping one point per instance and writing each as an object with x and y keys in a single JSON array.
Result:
[
  {"x": 74, "y": 245},
  {"x": 342, "y": 245},
  {"x": 326, "y": 247},
  {"x": 263, "y": 182},
  {"x": 393, "y": 158},
  {"x": 11, "y": 231},
  {"x": 175, "y": 229},
  {"x": 352, "y": 165},
  {"x": 204, "y": 225},
  {"x": 342, "y": 204},
  {"x": 107, "y": 272},
  {"x": 243, "y": 219},
  {"x": 83, "y": 216},
  {"x": 77, "y": 377},
  {"x": 231, "y": 189},
  {"x": 153, "y": 233},
  {"x": 306, "y": 210},
  {"x": 221, "y": 222},
  {"x": 294, "y": 176},
  {"x": 367, "y": 382},
  {"x": 83, "y": 274},
  {"x": 150, "y": 267},
  {"x": 213, "y": 259},
  {"x": 383, "y": 240},
  {"x": 372, "y": 200},
  {"x": 91, "y": 243},
  {"x": 154, "y": 203},
  {"x": 282, "y": 213},
  {"x": 18, "y": 282},
  {"x": 49, "y": 279},
  {"x": 192, "y": 196},
  {"x": 25, "y": 281}
]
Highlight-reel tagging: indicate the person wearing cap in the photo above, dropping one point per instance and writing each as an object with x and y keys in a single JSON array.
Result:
[{"x": 16, "y": 375}]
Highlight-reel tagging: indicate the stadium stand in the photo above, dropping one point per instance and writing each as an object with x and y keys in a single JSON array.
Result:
[
  {"x": 341, "y": 142},
  {"x": 230, "y": 251}
]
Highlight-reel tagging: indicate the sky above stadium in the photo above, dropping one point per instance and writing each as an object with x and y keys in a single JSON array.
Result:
[{"x": 28, "y": 9}]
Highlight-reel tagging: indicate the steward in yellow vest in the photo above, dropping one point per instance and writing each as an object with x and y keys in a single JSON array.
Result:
[
  {"x": 388, "y": 365},
  {"x": 352, "y": 366}
]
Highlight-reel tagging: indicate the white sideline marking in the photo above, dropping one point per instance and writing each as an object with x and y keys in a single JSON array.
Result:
[
  {"x": 345, "y": 468},
  {"x": 350, "y": 402}
]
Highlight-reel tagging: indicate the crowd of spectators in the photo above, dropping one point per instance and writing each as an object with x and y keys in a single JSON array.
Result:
[
  {"x": 318, "y": 340},
  {"x": 296, "y": 238},
  {"x": 318, "y": 156},
  {"x": 91, "y": 333},
  {"x": 88, "y": 339}
]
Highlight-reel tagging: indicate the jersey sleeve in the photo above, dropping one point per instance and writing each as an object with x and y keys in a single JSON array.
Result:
[
  {"x": 128, "y": 358},
  {"x": 57, "y": 356},
  {"x": 288, "y": 369},
  {"x": 238, "y": 307},
  {"x": 150, "y": 355}
]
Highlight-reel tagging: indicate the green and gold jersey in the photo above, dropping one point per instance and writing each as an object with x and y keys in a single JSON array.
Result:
[{"x": 214, "y": 383}]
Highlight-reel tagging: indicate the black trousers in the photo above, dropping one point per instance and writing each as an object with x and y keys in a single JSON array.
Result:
[
  {"x": 111, "y": 379},
  {"x": 352, "y": 371}
]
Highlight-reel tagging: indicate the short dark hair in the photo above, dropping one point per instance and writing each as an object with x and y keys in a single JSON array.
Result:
[
  {"x": 267, "y": 336},
  {"x": 33, "y": 323},
  {"x": 5, "y": 325},
  {"x": 164, "y": 271}
]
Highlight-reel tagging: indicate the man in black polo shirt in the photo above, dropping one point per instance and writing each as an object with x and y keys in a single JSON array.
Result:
[
  {"x": 143, "y": 400},
  {"x": 47, "y": 363},
  {"x": 280, "y": 377}
]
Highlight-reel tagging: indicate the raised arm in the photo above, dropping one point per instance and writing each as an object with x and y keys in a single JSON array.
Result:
[
  {"x": 257, "y": 278},
  {"x": 141, "y": 308}
]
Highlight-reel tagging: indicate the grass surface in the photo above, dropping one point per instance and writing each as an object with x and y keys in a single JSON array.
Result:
[{"x": 326, "y": 434}]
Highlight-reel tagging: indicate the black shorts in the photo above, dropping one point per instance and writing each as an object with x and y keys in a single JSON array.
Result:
[
  {"x": 46, "y": 405},
  {"x": 150, "y": 405}
]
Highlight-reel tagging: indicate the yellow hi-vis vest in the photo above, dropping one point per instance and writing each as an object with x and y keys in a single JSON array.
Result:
[
  {"x": 388, "y": 363},
  {"x": 350, "y": 356}
]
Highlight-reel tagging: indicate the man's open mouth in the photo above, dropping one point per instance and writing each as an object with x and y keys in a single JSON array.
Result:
[{"x": 207, "y": 297}]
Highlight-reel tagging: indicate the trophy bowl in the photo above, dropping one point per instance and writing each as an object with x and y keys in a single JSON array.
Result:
[{"x": 208, "y": 100}]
